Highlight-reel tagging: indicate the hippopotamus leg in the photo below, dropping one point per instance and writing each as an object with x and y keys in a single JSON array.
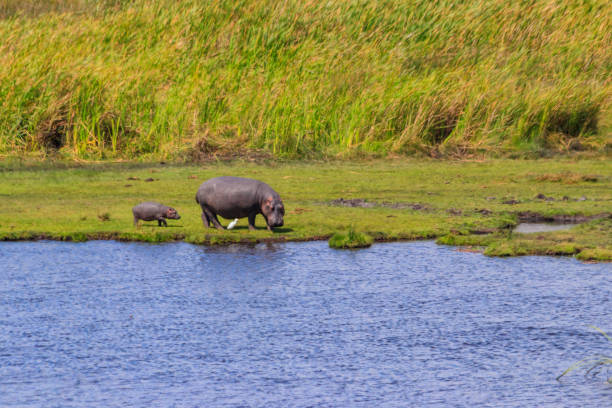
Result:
[
  {"x": 161, "y": 221},
  {"x": 205, "y": 219},
  {"x": 135, "y": 221},
  {"x": 267, "y": 225},
  {"x": 212, "y": 217},
  {"x": 252, "y": 221}
]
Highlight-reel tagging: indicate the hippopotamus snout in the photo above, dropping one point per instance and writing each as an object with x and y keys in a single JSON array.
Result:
[
  {"x": 276, "y": 224},
  {"x": 276, "y": 220},
  {"x": 171, "y": 214}
]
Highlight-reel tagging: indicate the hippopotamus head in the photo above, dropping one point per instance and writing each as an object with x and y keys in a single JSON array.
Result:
[
  {"x": 172, "y": 214},
  {"x": 274, "y": 210}
]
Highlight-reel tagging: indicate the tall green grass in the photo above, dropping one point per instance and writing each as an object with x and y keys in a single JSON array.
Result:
[{"x": 129, "y": 79}]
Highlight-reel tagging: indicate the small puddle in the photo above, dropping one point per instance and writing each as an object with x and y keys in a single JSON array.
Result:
[{"x": 532, "y": 227}]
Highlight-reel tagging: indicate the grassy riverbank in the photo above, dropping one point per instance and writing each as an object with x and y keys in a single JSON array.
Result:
[
  {"x": 464, "y": 203},
  {"x": 184, "y": 80}
]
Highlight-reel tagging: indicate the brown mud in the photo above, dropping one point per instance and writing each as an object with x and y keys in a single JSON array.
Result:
[
  {"x": 530, "y": 216},
  {"x": 362, "y": 203}
]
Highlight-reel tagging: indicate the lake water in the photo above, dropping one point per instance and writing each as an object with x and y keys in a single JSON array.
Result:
[
  {"x": 533, "y": 227},
  {"x": 108, "y": 324}
]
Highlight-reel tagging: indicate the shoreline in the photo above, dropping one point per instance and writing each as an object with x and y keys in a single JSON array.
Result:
[{"x": 464, "y": 246}]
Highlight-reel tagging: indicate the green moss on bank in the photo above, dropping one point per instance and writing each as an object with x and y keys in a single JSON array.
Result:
[
  {"x": 350, "y": 240},
  {"x": 591, "y": 241},
  {"x": 595, "y": 254}
]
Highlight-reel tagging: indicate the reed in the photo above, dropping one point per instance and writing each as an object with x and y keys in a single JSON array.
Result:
[
  {"x": 151, "y": 79},
  {"x": 592, "y": 364}
]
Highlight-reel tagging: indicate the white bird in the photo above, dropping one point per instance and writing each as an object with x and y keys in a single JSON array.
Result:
[{"x": 232, "y": 224}]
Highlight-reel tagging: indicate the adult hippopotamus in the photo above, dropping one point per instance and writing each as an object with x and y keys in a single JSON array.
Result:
[
  {"x": 237, "y": 197},
  {"x": 150, "y": 211}
]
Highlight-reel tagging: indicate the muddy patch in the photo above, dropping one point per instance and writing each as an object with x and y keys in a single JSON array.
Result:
[
  {"x": 299, "y": 211},
  {"x": 104, "y": 217},
  {"x": 543, "y": 197},
  {"x": 566, "y": 178},
  {"x": 483, "y": 231},
  {"x": 533, "y": 217},
  {"x": 362, "y": 203}
]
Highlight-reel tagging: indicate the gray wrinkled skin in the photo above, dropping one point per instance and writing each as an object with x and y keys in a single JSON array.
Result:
[
  {"x": 151, "y": 211},
  {"x": 237, "y": 197}
]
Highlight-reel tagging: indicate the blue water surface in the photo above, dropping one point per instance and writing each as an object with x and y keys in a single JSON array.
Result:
[{"x": 109, "y": 324}]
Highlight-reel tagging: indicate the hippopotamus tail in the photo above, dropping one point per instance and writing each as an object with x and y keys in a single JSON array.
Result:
[{"x": 196, "y": 197}]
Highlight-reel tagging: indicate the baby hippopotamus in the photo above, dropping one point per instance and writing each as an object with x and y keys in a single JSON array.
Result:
[
  {"x": 150, "y": 211},
  {"x": 237, "y": 197}
]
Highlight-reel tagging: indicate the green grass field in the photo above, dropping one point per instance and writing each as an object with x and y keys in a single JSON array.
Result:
[
  {"x": 84, "y": 79},
  {"x": 458, "y": 202}
]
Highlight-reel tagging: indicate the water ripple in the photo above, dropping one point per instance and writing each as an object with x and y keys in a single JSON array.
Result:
[{"x": 279, "y": 325}]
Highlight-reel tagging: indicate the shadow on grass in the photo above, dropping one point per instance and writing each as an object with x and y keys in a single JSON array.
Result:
[
  {"x": 160, "y": 226},
  {"x": 282, "y": 230},
  {"x": 276, "y": 230}
]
